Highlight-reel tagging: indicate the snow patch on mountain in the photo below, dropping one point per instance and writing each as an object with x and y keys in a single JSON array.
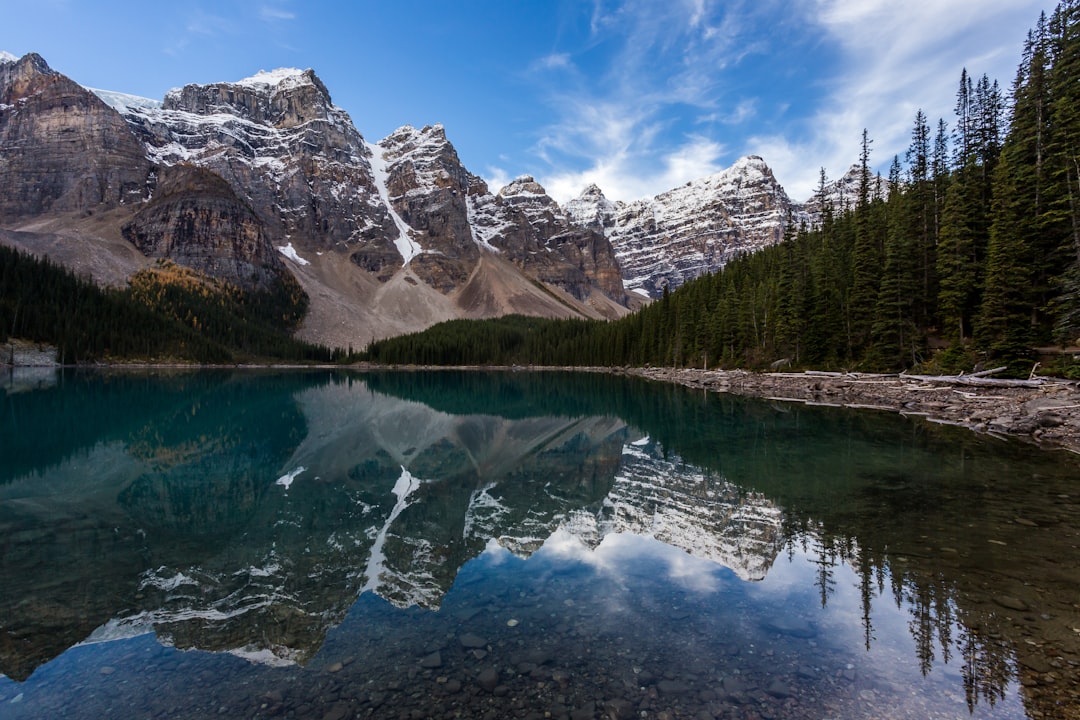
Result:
[
  {"x": 290, "y": 252},
  {"x": 6, "y": 57},
  {"x": 488, "y": 221},
  {"x": 591, "y": 209},
  {"x": 123, "y": 102},
  {"x": 406, "y": 246},
  {"x": 267, "y": 79}
]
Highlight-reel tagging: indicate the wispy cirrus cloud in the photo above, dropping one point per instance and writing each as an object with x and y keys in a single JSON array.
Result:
[
  {"x": 692, "y": 85},
  {"x": 616, "y": 122},
  {"x": 554, "y": 61},
  {"x": 275, "y": 13},
  {"x": 896, "y": 58}
]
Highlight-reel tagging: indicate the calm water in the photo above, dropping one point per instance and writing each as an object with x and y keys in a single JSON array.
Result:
[{"x": 515, "y": 545}]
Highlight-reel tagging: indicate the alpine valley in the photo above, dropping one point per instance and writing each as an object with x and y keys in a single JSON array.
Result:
[{"x": 264, "y": 183}]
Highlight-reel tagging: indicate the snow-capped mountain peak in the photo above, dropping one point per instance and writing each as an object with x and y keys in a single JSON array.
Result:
[
  {"x": 273, "y": 78},
  {"x": 592, "y": 209},
  {"x": 696, "y": 228},
  {"x": 6, "y": 57},
  {"x": 523, "y": 185}
]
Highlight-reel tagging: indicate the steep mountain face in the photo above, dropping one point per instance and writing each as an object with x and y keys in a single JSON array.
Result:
[
  {"x": 196, "y": 220},
  {"x": 427, "y": 186},
  {"x": 63, "y": 149},
  {"x": 536, "y": 234},
  {"x": 698, "y": 228},
  {"x": 284, "y": 147},
  {"x": 384, "y": 237}
]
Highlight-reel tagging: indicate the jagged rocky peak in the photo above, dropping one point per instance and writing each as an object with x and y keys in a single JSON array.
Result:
[
  {"x": 524, "y": 185},
  {"x": 300, "y": 176},
  {"x": 423, "y": 159},
  {"x": 750, "y": 178},
  {"x": 591, "y": 209},
  {"x": 17, "y": 75},
  {"x": 700, "y": 226},
  {"x": 284, "y": 148},
  {"x": 427, "y": 188},
  {"x": 529, "y": 196},
  {"x": 749, "y": 164},
  {"x": 74, "y": 153},
  {"x": 283, "y": 98}
]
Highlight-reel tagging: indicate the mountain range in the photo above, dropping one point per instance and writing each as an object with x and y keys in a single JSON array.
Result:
[{"x": 264, "y": 180}]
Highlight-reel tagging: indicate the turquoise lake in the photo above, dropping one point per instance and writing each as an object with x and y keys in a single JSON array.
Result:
[{"x": 332, "y": 545}]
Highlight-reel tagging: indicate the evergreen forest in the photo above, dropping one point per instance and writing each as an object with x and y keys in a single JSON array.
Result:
[
  {"x": 167, "y": 313},
  {"x": 968, "y": 253}
]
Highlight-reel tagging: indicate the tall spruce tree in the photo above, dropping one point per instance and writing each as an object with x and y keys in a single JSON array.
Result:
[
  {"x": 1015, "y": 273},
  {"x": 865, "y": 259},
  {"x": 895, "y": 335},
  {"x": 1063, "y": 206}
]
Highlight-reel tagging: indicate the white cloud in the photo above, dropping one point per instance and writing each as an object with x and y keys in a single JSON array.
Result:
[
  {"x": 554, "y": 61},
  {"x": 898, "y": 58},
  {"x": 270, "y": 13},
  {"x": 676, "y": 64},
  {"x": 496, "y": 178},
  {"x": 616, "y": 128},
  {"x": 620, "y": 178}
]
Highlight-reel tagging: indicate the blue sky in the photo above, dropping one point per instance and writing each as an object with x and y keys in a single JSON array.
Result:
[{"x": 638, "y": 96}]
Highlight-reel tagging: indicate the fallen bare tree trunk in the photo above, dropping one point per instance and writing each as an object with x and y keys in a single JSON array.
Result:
[{"x": 973, "y": 380}]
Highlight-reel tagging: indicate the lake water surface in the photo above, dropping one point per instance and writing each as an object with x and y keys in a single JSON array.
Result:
[{"x": 336, "y": 545}]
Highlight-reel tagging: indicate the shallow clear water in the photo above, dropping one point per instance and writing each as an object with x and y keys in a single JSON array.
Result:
[{"x": 332, "y": 545}]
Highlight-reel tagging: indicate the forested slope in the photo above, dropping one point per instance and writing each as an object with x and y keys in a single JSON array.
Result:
[{"x": 167, "y": 313}]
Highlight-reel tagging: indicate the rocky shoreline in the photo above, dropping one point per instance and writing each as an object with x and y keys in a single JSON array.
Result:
[{"x": 1045, "y": 411}]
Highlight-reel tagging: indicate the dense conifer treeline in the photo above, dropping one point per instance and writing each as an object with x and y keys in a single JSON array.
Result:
[
  {"x": 166, "y": 313},
  {"x": 968, "y": 252}
]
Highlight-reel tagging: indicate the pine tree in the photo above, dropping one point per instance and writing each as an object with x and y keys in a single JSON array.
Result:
[
  {"x": 894, "y": 329},
  {"x": 866, "y": 261},
  {"x": 1016, "y": 268},
  {"x": 1063, "y": 208},
  {"x": 962, "y": 133},
  {"x": 1004, "y": 326}
]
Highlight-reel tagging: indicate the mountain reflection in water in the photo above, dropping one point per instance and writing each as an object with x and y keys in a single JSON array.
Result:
[{"x": 246, "y": 512}]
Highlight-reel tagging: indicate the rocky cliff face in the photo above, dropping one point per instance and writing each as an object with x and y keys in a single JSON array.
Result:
[
  {"x": 283, "y": 146},
  {"x": 196, "y": 220},
  {"x": 426, "y": 187},
  {"x": 526, "y": 224},
  {"x": 698, "y": 228},
  {"x": 316, "y": 183},
  {"x": 63, "y": 149}
]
